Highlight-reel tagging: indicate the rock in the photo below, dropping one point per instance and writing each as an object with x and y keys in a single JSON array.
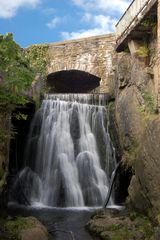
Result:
[
  {"x": 123, "y": 70},
  {"x": 137, "y": 198},
  {"x": 36, "y": 232},
  {"x": 121, "y": 226},
  {"x": 26, "y": 228},
  {"x": 129, "y": 118},
  {"x": 148, "y": 163},
  {"x": 139, "y": 132}
]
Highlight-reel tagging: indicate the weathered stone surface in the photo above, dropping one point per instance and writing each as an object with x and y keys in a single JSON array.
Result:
[
  {"x": 121, "y": 225},
  {"x": 23, "y": 228},
  {"x": 128, "y": 102},
  {"x": 128, "y": 116},
  {"x": 36, "y": 232},
  {"x": 94, "y": 55},
  {"x": 147, "y": 167},
  {"x": 137, "y": 199},
  {"x": 139, "y": 131}
]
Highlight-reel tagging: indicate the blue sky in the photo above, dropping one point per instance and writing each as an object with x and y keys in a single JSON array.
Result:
[{"x": 44, "y": 21}]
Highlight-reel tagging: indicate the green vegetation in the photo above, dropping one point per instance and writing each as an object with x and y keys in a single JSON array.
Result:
[
  {"x": 16, "y": 75},
  {"x": 124, "y": 227},
  {"x": 21, "y": 116},
  {"x": 3, "y": 136},
  {"x": 15, "y": 225},
  {"x": 143, "y": 51},
  {"x": 148, "y": 23},
  {"x": 149, "y": 103},
  {"x": 11, "y": 227},
  {"x": 38, "y": 57}
]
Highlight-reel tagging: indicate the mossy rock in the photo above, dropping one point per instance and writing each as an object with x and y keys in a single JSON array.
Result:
[
  {"x": 29, "y": 228},
  {"x": 129, "y": 227}
]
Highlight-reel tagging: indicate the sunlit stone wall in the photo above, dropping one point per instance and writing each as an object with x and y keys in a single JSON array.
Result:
[{"x": 94, "y": 55}]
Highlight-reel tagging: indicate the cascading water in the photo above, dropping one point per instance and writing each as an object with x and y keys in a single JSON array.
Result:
[{"x": 69, "y": 151}]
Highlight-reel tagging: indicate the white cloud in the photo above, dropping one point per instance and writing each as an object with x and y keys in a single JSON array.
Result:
[
  {"x": 53, "y": 23},
  {"x": 101, "y": 21},
  {"x": 8, "y": 9},
  {"x": 82, "y": 33},
  {"x": 98, "y": 16},
  {"x": 103, "y": 5},
  {"x": 101, "y": 25}
]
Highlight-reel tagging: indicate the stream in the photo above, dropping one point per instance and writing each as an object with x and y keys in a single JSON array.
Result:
[
  {"x": 62, "y": 223},
  {"x": 68, "y": 163}
]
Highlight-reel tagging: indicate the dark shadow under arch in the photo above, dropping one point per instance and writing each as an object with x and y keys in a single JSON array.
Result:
[{"x": 72, "y": 81}]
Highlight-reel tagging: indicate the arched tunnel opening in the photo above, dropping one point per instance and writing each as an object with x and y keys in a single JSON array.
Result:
[{"x": 72, "y": 81}]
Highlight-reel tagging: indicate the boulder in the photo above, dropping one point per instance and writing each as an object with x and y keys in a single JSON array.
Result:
[
  {"x": 36, "y": 230},
  {"x": 147, "y": 167}
]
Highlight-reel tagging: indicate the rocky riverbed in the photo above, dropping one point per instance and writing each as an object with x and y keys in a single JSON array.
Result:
[{"x": 123, "y": 225}]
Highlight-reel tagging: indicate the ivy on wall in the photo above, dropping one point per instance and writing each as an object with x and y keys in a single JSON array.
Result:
[{"x": 38, "y": 57}]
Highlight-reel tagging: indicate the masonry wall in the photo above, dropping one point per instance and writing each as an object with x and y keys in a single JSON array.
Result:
[{"x": 94, "y": 55}]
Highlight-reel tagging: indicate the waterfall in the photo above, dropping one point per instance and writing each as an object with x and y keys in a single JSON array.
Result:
[{"x": 69, "y": 156}]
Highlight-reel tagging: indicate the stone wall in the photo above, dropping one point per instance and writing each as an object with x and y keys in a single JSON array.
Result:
[{"x": 94, "y": 55}]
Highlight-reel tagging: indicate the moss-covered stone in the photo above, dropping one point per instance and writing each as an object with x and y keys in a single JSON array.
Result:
[
  {"x": 20, "y": 228},
  {"x": 14, "y": 225},
  {"x": 128, "y": 226}
]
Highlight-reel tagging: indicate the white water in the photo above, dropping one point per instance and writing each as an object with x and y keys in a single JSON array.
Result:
[{"x": 70, "y": 152}]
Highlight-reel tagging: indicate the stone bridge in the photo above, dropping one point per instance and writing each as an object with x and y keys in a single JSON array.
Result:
[
  {"x": 136, "y": 22},
  {"x": 82, "y": 65},
  {"x": 138, "y": 31},
  {"x": 88, "y": 64}
]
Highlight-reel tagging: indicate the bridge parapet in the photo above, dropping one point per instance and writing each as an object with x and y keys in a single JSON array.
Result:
[{"x": 131, "y": 18}]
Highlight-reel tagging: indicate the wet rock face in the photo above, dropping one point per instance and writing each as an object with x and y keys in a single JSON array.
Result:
[
  {"x": 128, "y": 101},
  {"x": 147, "y": 167},
  {"x": 139, "y": 132}
]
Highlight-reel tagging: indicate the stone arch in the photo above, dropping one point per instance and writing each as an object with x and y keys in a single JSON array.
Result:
[
  {"x": 80, "y": 63},
  {"x": 72, "y": 81},
  {"x": 94, "y": 55}
]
